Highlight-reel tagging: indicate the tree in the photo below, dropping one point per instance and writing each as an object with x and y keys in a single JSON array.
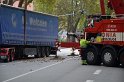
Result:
[
  {"x": 69, "y": 11},
  {"x": 20, "y": 3},
  {"x": 45, "y": 6},
  {"x": 23, "y": 1},
  {"x": 8, "y": 2}
]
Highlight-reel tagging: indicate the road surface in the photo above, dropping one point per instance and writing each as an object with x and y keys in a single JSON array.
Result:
[{"x": 64, "y": 69}]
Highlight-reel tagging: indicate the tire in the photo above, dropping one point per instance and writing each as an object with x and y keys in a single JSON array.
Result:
[
  {"x": 92, "y": 56},
  {"x": 122, "y": 58},
  {"x": 38, "y": 53},
  {"x": 11, "y": 58},
  {"x": 109, "y": 57},
  {"x": 43, "y": 54},
  {"x": 47, "y": 52}
]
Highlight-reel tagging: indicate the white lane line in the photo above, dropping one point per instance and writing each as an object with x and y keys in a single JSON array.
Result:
[
  {"x": 89, "y": 80},
  {"x": 97, "y": 72},
  {"x": 36, "y": 70}
]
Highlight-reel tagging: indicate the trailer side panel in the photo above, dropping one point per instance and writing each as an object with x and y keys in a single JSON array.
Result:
[
  {"x": 41, "y": 29},
  {"x": 11, "y": 26}
]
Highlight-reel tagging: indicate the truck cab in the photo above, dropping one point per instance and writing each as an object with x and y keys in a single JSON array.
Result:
[{"x": 7, "y": 54}]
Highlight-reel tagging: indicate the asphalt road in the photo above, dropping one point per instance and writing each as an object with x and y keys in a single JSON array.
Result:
[{"x": 66, "y": 69}]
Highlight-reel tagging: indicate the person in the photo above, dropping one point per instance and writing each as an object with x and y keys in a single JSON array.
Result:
[
  {"x": 83, "y": 45},
  {"x": 98, "y": 38},
  {"x": 90, "y": 22}
]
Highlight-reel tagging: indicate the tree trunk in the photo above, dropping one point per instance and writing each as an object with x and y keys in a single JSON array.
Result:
[
  {"x": 10, "y": 2},
  {"x": 5, "y": 1},
  {"x": 69, "y": 28},
  {"x": 21, "y": 3}
]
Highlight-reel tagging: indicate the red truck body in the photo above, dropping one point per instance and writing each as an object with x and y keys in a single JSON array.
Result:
[
  {"x": 111, "y": 30},
  {"x": 70, "y": 45},
  {"x": 7, "y": 54},
  {"x": 117, "y": 5}
]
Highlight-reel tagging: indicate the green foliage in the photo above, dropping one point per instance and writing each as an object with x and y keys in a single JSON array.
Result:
[
  {"x": 91, "y": 6},
  {"x": 29, "y": 1},
  {"x": 81, "y": 23},
  {"x": 45, "y": 6},
  {"x": 64, "y": 7},
  {"x": 67, "y": 7}
]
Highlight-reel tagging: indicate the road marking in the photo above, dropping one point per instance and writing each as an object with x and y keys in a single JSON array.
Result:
[
  {"x": 97, "y": 72},
  {"x": 89, "y": 80},
  {"x": 36, "y": 70}
]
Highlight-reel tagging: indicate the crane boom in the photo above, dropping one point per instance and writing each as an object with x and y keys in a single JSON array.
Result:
[
  {"x": 102, "y": 7},
  {"x": 117, "y": 6}
]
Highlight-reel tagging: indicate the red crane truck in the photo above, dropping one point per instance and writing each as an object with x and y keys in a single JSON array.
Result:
[{"x": 110, "y": 50}]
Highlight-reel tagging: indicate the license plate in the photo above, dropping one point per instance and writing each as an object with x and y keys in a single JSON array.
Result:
[{"x": 3, "y": 57}]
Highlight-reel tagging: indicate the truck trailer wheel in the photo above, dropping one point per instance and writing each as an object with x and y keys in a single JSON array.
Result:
[
  {"x": 47, "y": 52},
  {"x": 109, "y": 57},
  {"x": 92, "y": 56},
  {"x": 43, "y": 54},
  {"x": 11, "y": 58},
  {"x": 122, "y": 58},
  {"x": 38, "y": 53}
]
